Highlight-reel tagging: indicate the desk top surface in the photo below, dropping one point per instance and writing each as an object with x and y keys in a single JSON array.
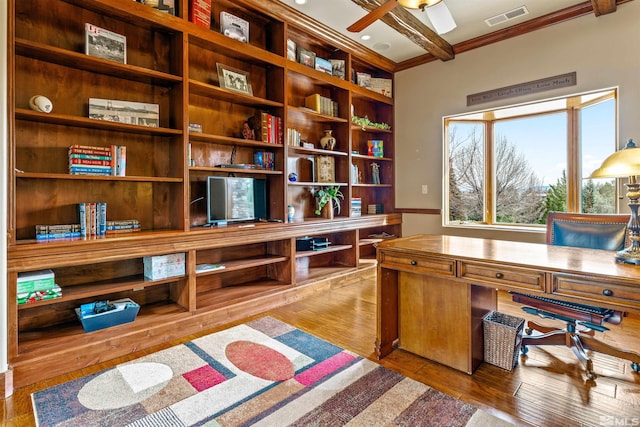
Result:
[{"x": 531, "y": 255}]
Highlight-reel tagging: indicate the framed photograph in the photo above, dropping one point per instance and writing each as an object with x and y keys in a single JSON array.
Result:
[
  {"x": 382, "y": 86},
  {"x": 234, "y": 27},
  {"x": 306, "y": 57},
  {"x": 323, "y": 65},
  {"x": 364, "y": 80},
  {"x": 325, "y": 169},
  {"x": 291, "y": 50},
  {"x": 105, "y": 44},
  {"x": 234, "y": 79},
  {"x": 128, "y": 112},
  {"x": 338, "y": 68}
]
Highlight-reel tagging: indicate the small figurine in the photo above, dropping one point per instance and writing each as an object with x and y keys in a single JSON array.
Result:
[
  {"x": 375, "y": 173},
  {"x": 247, "y": 132}
]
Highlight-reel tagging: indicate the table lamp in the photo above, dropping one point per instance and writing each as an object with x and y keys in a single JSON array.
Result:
[{"x": 626, "y": 163}]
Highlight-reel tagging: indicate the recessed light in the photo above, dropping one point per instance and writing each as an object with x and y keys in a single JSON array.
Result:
[
  {"x": 365, "y": 37},
  {"x": 381, "y": 47},
  {"x": 301, "y": 1}
]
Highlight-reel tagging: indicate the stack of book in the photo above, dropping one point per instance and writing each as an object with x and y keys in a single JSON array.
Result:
[
  {"x": 123, "y": 226},
  {"x": 90, "y": 160},
  {"x": 270, "y": 129},
  {"x": 93, "y": 219},
  {"x": 37, "y": 286},
  {"x": 375, "y": 208},
  {"x": 356, "y": 206},
  {"x": 57, "y": 231}
]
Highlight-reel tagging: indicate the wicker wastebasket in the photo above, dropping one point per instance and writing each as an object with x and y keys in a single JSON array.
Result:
[{"x": 502, "y": 339}]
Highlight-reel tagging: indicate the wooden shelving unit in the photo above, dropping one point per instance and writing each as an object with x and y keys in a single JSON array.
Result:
[{"x": 172, "y": 62}]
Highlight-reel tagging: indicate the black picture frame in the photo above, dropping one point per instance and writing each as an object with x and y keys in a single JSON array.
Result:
[{"x": 306, "y": 57}]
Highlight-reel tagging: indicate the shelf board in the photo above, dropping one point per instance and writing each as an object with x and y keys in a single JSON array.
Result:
[
  {"x": 226, "y": 296},
  {"x": 317, "y": 151},
  {"x": 85, "y": 122},
  {"x": 369, "y": 95},
  {"x": 93, "y": 64},
  {"x": 363, "y": 156},
  {"x": 334, "y": 248},
  {"x": 244, "y": 263},
  {"x": 372, "y": 185},
  {"x": 217, "y": 92},
  {"x": 370, "y": 129},
  {"x": 235, "y": 170},
  {"x": 99, "y": 288},
  {"x": 317, "y": 184},
  {"x": 42, "y": 175},
  {"x": 215, "y": 41},
  {"x": 319, "y": 78},
  {"x": 43, "y": 341},
  {"x": 229, "y": 140},
  {"x": 315, "y": 116}
]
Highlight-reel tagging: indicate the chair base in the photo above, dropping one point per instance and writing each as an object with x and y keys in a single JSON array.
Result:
[{"x": 579, "y": 342}]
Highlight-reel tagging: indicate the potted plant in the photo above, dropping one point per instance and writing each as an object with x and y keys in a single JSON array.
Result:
[{"x": 328, "y": 200}]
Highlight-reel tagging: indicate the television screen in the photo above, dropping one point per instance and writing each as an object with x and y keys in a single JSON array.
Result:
[{"x": 235, "y": 199}]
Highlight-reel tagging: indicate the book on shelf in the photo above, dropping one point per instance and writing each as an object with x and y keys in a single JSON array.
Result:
[
  {"x": 200, "y": 12},
  {"x": 234, "y": 27},
  {"x": 118, "y": 160},
  {"x": 293, "y": 137},
  {"x": 269, "y": 128},
  {"x": 356, "y": 206},
  {"x": 321, "y": 104},
  {"x": 264, "y": 159},
  {"x": 375, "y": 208},
  {"x": 105, "y": 44},
  {"x": 88, "y": 160},
  {"x": 57, "y": 231},
  {"x": 291, "y": 50}
]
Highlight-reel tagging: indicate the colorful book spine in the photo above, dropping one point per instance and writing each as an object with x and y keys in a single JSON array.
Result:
[{"x": 93, "y": 219}]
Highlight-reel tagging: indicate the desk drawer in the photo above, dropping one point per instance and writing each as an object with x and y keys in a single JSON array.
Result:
[
  {"x": 509, "y": 278},
  {"x": 419, "y": 264},
  {"x": 611, "y": 293}
]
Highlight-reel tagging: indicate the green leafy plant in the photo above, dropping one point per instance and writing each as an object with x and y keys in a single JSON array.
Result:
[{"x": 326, "y": 194}]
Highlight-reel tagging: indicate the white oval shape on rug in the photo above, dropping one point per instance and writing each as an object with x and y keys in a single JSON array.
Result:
[{"x": 125, "y": 385}]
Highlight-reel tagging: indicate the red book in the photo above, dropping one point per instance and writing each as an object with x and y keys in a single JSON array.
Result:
[
  {"x": 91, "y": 162},
  {"x": 200, "y": 12}
]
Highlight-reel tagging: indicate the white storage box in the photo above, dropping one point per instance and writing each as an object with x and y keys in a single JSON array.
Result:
[{"x": 163, "y": 266}]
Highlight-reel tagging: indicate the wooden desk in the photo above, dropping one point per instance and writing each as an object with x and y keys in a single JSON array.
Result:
[{"x": 433, "y": 290}]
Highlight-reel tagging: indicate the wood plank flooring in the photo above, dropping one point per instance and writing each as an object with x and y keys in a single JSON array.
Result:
[{"x": 547, "y": 388}]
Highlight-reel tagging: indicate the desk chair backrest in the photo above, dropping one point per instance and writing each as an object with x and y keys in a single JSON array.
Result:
[{"x": 595, "y": 231}]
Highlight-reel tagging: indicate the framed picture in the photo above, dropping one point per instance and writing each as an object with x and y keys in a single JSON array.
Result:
[
  {"x": 338, "y": 67},
  {"x": 291, "y": 50},
  {"x": 234, "y": 27},
  {"x": 306, "y": 57},
  {"x": 323, "y": 65},
  {"x": 325, "y": 170},
  {"x": 105, "y": 44},
  {"x": 234, "y": 79}
]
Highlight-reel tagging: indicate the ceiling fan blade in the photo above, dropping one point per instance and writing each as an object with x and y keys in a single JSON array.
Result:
[
  {"x": 372, "y": 16},
  {"x": 441, "y": 18}
]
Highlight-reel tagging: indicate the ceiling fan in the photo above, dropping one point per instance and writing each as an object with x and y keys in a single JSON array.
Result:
[{"x": 437, "y": 12}]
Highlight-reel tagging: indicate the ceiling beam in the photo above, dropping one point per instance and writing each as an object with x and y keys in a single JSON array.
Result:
[
  {"x": 412, "y": 28},
  {"x": 602, "y": 7}
]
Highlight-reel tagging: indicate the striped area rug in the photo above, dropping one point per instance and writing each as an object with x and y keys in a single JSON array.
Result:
[{"x": 263, "y": 373}]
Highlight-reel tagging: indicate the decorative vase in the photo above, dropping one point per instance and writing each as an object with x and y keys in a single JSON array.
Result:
[
  {"x": 327, "y": 210},
  {"x": 327, "y": 142}
]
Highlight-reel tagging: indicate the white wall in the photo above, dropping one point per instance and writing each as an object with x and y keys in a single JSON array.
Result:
[
  {"x": 604, "y": 52},
  {"x": 3, "y": 186}
]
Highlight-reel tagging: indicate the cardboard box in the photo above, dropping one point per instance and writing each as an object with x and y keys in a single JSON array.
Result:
[
  {"x": 163, "y": 266},
  {"x": 32, "y": 281},
  {"x": 125, "y": 312}
]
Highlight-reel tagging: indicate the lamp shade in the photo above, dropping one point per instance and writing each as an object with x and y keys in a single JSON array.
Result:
[
  {"x": 417, "y": 4},
  {"x": 622, "y": 163}
]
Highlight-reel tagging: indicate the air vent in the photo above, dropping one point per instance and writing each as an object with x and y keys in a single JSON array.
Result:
[{"x": 507, "y": 16}]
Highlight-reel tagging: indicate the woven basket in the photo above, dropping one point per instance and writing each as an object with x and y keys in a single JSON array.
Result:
[{"x": 502, "y": 339}]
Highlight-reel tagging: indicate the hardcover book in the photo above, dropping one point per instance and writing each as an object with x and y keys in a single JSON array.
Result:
[
  {"x": 234, "y": 27},
  {"x": 200, "y": 12},
  {"x": 105, "y": 44}
]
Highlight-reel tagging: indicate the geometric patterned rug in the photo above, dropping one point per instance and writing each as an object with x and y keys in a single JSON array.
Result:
[{"x": 263, "y": 373}]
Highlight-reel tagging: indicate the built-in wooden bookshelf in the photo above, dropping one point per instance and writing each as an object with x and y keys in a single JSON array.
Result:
[{"x": 172, "y": 62}]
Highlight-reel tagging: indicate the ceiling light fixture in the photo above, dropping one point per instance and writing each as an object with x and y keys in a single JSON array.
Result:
[
  {"x": 437, "y": 12},
  {"x": 418, "y": 4},
  {"x": 365, "y": 37},
  {"x": 301, "y": 1}
]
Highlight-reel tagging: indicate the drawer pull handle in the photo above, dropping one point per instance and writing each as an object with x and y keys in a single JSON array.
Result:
[
  {"x": 607, "y": 293},
  {"x": 414, "y": 262},
  {"x": 499, "y": 275}
]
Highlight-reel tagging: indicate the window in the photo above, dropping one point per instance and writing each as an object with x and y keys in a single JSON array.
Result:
[{"x": 513, "y": 165}]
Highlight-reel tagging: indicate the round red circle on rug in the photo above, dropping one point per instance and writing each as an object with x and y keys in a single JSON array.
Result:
[{"x": 259, "y": 360}]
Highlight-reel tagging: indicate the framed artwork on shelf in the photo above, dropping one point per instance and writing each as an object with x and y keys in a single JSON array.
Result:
[
  {"x": 234, "y": 79},
  {"x": 306, "y": 57},
  {"x": 234, "y": 27},
  {"x": 291, "y": 50},
  {"x": 338, "y": 68},
  {"x": 325, "y": 169},
  {"x": 323, "y": 65},
  {"x": 105, "y": 44}
]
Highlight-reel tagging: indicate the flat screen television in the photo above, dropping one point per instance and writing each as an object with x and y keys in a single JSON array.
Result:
[{"x": 234, "y": 199}]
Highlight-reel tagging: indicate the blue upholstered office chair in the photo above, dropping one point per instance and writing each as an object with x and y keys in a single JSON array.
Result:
[{"x": 595, "y": 231}]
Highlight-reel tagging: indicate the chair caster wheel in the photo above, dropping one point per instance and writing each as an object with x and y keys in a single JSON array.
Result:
[
  {"x": 528, "y": 331},
  {"x": 635, "y": 366},
  {"x": 591, "y": 375},
  {"x": 524, "y": 349}
]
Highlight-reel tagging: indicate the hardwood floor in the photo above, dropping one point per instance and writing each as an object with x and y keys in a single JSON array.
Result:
[{"x": 547, "y": 388}]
